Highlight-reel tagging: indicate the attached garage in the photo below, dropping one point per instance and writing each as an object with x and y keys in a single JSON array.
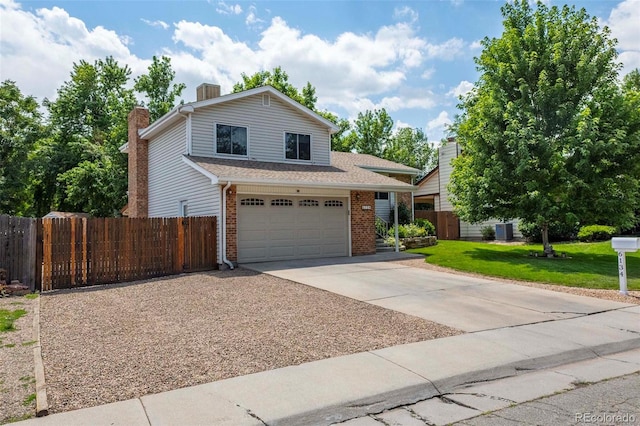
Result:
[{"x": 282, "y": 227}]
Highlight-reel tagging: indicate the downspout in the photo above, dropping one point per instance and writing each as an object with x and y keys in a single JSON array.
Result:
[
  {"x": 224, "y": 226},
  {"x": 413, "y": 212}
]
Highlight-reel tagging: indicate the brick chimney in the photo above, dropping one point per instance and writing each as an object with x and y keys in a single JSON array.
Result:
[
  {"x": 207, "y": 91},
  {"x": 138, "y": 164}
]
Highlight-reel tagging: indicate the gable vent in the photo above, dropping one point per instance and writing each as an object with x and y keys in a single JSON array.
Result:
[{"x": 266, "y": 100}]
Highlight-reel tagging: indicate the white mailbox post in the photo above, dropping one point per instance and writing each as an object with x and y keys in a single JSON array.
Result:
[{"x": 623, "y": 245}]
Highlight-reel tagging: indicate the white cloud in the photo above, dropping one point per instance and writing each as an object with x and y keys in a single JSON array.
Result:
[
  {"x": 405, "y": 13},
  {"x": 252, "y": 19},
  {"x": 51, "y": 40},
  {"x": 461, "y": 89},
  {"x": 228, "y": 9},
  {"x": 438, "y": 125},
  {"x": 476, "y": 45},
  {"x": 457, "y": 2},
  {"x": 624, "y": 22},
  {"x": 157, "y": 24},
  {"x": 401, "y": 125},
  {"x": 352, "y": 72},
  {"x": 447, "y": 51},
  {"x": 428, "y": 73}
]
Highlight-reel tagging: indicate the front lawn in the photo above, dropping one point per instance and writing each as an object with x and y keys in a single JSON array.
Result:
[{"x": 588, "y": 265}]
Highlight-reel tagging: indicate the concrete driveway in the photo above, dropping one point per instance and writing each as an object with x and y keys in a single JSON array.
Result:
[{"x": 467, "y": 303}]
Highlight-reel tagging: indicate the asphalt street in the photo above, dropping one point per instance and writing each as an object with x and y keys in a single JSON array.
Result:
[{"x": 610, "y": 402}]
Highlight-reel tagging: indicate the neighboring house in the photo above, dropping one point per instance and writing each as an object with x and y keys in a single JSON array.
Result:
[
  {"x": 262, "y": 163},
  {"x": 432, "y": 189}
]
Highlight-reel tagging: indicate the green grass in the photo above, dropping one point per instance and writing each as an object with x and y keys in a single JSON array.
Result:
[
  {"x": 29, "y": 400},
  {"x": 8, "y": 317},
  {"x": 31, "y": 296},
  {"x": 588, "y": 265}
]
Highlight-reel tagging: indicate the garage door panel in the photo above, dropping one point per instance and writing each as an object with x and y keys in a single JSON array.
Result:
[{"x": 292, "y": 228}]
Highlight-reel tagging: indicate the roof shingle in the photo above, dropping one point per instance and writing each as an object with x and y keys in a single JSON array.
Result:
[{"x": 346, "y": 171}]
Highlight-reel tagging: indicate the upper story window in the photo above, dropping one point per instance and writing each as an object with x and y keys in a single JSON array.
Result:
[
  {"x": 231, "y": 140},
  {"x": 297, "y": 146}
]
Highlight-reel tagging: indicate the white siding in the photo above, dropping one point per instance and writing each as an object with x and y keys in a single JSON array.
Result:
[
  {"x": 172, "y": 181},
  {"x": 430, "y": 185},
  {"x": 291, "y": 190},
  {"x": 448, "y": 151},
  {"x": 266, "y": 124},
  {"x": 473, "y": 232},
  {"x": 384, "y": 209}
]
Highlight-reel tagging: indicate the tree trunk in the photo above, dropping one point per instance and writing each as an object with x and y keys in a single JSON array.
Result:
[{"x": 548, "y": 248}]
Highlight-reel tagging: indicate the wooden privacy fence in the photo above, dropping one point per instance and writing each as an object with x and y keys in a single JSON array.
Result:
[
  {"x": 78, "y": 252},
  {"x": 446, "y": 223},
  {"x": 18, "y": 248}
]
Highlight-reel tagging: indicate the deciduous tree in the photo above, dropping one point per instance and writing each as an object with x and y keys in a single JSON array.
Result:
[
  {"x": 158, "y": 87},
  {"x": 545, "y": 132},
  {"x": 20, "y": 128}
]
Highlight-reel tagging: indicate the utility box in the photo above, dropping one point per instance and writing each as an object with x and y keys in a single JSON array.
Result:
[
  {"x": 625, "y": 243},
  {"x": 504, "y": 231}
]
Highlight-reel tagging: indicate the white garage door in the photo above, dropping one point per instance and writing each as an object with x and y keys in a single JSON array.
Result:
[{"x": 283, "y": 227}]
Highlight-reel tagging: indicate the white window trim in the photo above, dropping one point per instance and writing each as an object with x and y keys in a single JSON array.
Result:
[
  {"x": 284, "y": 147},
  {"x": 215, "y": 141}
]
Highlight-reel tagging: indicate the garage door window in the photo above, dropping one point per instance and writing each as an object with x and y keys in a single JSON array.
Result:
[
  {"x": 281, "y": 202},
  {"x": 308, "y": 203},
  {"x": 333, "y": 203},
  {"x": 252, "y": 202}
]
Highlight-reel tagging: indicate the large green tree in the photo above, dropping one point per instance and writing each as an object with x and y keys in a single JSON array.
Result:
[
  {"x": 410, "y": 147},
  {"x": 545, "y": 131},
  {"x": 279, "y": 80},
  {"x": 79, "y": 167},
  {"x": 372, "y": 131},
  {"x": 20, "y": 128},
  {"x": 158, "y": 87}
]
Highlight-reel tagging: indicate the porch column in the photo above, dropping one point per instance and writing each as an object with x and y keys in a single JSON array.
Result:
[{"x": 395, "y": 220}]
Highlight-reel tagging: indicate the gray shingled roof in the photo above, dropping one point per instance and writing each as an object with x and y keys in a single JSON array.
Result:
[{"x": 347, "y": 170}]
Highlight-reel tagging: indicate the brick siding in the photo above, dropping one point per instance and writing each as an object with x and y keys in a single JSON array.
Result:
[
  {"x": 363, "y": 232},
  {"x": 138, "y": 164},
  {"x": 404, "y": 197},
  {"x": 232, "y": 224}
]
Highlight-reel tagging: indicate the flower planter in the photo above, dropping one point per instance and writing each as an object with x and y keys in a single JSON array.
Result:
[{"x": 418, "y": 242}]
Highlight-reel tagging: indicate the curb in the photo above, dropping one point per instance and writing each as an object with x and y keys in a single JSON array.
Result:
[{"x": 42, "y": 405}]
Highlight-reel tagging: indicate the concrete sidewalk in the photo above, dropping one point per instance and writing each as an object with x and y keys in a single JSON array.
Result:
[{"x": 541, "y": 330}]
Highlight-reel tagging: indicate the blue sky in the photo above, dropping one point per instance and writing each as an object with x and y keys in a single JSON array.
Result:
[{"x": 413, "y": 58}]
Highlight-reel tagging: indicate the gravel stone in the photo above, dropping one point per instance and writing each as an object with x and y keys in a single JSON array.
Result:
[
  {"x": 633, "y": 297},
  {"x": 17, "y": 376},
  {"x": 110, "y": 343}
]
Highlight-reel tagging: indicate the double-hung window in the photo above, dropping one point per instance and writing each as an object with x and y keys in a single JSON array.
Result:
[
  {"x": 297, "y": 146},
  {"x": 231, "y": 140}
]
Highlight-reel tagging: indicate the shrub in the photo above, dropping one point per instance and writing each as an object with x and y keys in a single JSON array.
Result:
[
  {"x": 596, "y": 233},
  {"x": 404, "y": 214},
  {"x": 408, "y": 231},
  {"x": 426, "y": 225},
  {"x": 488, "y": 233},
  {"x": 557, "y": 232}
]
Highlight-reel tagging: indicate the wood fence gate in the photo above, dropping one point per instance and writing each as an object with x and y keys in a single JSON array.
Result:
[
  {"x": 71, "y": 252},
  {"x": 19, "y": 248},
  {"x": 447, "y": 224}
]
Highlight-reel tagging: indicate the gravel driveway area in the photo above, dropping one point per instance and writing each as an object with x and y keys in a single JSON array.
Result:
[{"x": 111, "y": 343}]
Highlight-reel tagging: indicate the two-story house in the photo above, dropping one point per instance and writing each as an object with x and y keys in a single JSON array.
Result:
[
  {"x": 262, "y": 163},
  {"x": 433, "y": 189}
]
